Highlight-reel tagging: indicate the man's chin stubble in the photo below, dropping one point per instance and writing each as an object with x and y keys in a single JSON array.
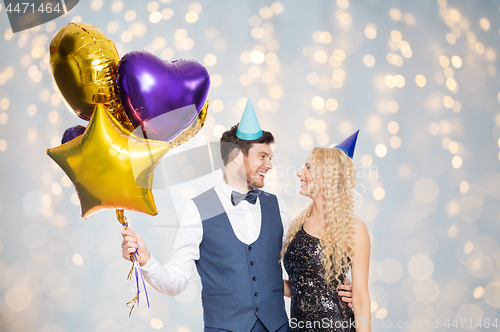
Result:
[{"x": 256, "y": 185}]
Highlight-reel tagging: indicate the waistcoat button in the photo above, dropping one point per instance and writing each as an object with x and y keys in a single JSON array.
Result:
[{"x": 256, "y": 294}]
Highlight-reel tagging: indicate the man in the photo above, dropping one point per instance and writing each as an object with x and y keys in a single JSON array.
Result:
[{"x": 234, "y": 240}]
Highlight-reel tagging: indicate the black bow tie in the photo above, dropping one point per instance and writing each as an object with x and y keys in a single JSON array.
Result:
[{"x": 250, "y": 197}]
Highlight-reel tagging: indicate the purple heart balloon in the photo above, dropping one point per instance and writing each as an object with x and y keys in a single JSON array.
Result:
[{"x": 163, "y": 98}]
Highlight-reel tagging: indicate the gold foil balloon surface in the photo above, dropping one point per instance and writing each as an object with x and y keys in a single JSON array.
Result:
[
  {"x": 83, "y": 61},
  {"x": 193, "y": 129}
]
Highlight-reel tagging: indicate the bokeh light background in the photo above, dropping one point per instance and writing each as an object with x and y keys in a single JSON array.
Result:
[{"x": 418, "y": 78}]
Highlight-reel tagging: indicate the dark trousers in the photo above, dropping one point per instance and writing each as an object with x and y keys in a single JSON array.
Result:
[{"x": 258, "y": 327}]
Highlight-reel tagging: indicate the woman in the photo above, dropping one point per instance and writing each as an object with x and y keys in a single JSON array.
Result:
[{"x": 324, "y": 242}]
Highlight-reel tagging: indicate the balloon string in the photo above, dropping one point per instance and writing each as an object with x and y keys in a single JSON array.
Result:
[
  {"x": 147, "y": 145},
  {"x": 134, "y": 257},
  {"x": 138, "y": 270}
]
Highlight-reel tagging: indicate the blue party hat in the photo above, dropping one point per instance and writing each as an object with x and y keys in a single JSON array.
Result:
[
  {"x": 249, "y": 128},
  {"x": 348, "y": 144}
]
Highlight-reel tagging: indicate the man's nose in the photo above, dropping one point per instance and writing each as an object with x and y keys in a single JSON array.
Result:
[{"x": 269, "y": 165}]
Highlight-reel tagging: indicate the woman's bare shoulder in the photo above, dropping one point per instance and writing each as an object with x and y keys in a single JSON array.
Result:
[
  {"x": 359, "y": 224},
  {"x": 361, "y": 231}
]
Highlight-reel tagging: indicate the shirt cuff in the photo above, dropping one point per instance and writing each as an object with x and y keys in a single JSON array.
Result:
[{"x": 150, "y": 266}]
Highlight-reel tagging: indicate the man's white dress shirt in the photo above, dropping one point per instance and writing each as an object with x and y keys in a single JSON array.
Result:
[{"x": 245, "y": 218}]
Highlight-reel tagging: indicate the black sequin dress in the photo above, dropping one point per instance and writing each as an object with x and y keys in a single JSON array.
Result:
[{"x": 315, "y": 306}]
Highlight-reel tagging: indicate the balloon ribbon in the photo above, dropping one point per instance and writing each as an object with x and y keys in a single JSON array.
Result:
[{"x": 135, "y": 269}]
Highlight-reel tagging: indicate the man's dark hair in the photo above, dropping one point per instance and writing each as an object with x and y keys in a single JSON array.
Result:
[{"x": 230, "y": 141}]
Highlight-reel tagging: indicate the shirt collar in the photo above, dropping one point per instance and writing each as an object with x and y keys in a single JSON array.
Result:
[{"x": 226, "y": 189}]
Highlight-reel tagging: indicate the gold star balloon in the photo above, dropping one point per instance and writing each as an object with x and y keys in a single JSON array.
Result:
[{"x": 110, "y": 167}]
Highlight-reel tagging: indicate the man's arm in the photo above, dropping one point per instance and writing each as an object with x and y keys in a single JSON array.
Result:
[{"x": 173, "y": 277}]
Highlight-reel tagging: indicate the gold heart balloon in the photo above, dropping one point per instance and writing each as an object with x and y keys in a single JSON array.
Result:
[
  {"x": 193, "y": 129},
  {"x": 110, "y": 167},
  {"x": 83, "y": 61}
]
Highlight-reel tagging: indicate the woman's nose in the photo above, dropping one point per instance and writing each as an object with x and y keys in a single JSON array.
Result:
[{"x": 299, "y": 173}]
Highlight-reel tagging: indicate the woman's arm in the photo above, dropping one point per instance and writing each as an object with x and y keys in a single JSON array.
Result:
[
  {"x": 287, "y": 287},
  {"x": 360, "y": 262}
]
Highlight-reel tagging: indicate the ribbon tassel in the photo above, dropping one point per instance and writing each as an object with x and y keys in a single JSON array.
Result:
[{"x": 135, "y": 269}]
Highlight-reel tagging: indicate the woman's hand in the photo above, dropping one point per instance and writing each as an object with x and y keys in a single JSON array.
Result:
[
  {"x": 129, "y": 246},
  {"x": 346, "y": 292},
  {"x": 286, "y": 284}
]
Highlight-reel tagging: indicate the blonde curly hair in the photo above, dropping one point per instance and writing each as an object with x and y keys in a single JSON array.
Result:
[{"x": 335, "y": 171}]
